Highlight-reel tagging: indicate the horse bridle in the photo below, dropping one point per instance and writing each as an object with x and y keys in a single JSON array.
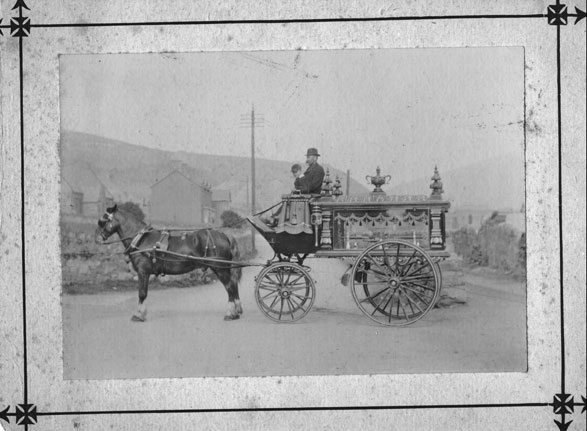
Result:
[{"x": 109, "y": 217}]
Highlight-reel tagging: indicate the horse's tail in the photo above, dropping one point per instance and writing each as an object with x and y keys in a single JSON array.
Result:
[{"x": 235, "y": 271}]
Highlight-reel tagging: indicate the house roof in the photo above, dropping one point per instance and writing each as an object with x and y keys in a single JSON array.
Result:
[
  {"x": 185, "y": 174},
  {"x": 80, "y": 177}
]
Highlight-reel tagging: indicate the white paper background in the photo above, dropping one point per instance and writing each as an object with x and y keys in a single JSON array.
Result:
[{"x": 50, "y": 392}]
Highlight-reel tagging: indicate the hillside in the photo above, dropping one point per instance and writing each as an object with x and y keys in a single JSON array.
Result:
[
  {"x": 496, "y": 183},
  {"x": 129, "y": 170}
]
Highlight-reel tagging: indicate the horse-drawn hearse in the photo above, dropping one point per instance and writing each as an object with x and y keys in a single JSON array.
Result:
[{"x": 392, "y": 243}]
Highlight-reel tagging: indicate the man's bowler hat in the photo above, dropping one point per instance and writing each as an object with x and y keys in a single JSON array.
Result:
[{"x": 312, "y": 152}]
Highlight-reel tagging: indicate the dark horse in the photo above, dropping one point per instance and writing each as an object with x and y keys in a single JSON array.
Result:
[{"x": 136, "y": 236}]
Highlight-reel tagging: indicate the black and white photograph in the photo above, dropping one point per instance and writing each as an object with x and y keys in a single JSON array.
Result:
[
  {"x": 296, "y": 212},
  {"x": 292, "y": 215}
]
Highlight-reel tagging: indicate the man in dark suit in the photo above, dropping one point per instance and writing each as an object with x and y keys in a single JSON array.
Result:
[{"x": 311, "y": 181}]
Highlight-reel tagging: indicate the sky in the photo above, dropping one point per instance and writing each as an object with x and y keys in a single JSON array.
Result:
[{"x": 403, "y": 109}]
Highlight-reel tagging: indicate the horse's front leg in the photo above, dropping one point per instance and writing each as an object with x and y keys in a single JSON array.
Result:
[{"x": 141, "y": 314}]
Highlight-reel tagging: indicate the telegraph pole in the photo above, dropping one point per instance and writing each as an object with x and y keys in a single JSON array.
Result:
[
  {"x": 253, "y": 161},
  {"x": 248, "y": 191},
  {"x": 255, "y": 120}
]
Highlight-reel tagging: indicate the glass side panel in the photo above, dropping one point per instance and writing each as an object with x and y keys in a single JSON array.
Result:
[{"x": 359, "y": 229}]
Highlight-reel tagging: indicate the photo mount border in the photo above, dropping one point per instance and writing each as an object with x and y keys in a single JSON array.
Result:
[{"x": 563, "y": 404}]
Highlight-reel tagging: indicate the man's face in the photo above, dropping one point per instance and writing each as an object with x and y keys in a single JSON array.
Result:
[{"x": 310, "y": 160}]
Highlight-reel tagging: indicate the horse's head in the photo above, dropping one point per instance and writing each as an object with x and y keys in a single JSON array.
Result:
[{"x": 108, "y": 224}]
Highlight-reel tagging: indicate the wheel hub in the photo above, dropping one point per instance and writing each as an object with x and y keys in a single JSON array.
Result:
[{"x": 394, "y": 281}]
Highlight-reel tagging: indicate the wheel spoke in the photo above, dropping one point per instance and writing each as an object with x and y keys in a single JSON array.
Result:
[
  {"x": 394, "y": 282},
  {"x": 411, "y": 301},
  {"x": 289, "y": 275},
  {"x": 274, "y": 301},
  {"x": 295, "y": 308},
  {"x": 297, "y": 305},
  {"x": 415, "y": 293},
  {"x": 269, "y": 294},
  {"x": 271, "y": 280},
  {"x": 423, "y": 286},
  {"x": 374, "y": 283},
  {"x": 304, "y": 298},
  {"x": 300, "y": 287},
  {"x": 301, "y": 283},
  {"x": 291, "y": 310},
  {"x": 403, "y": 309},
  {"x": 408, "y": 264},
  {"x": 382, "y": 270},
  {"x": 273, "y": 289},
  {"x": 377, "y": 308},
  {"x": 418, "y": 269},
  {"x": 385, "y": 258},
  {"x": 375, "y": 273},
  {"x": 418, "y": 278},
  {"x": 270, "y": 291},
  {"x": 279, "y": 276},
  {"x": 371, "y": 298},
  {"x": 296, "y": 280}
]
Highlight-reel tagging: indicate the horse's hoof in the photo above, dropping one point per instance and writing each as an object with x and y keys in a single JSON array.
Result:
[
  {"x": 235, "y": 317},
  {"x": 136, "y": 318}
]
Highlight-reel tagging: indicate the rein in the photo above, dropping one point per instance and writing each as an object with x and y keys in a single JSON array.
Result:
[
  {"x": 220, "y": 263},
  {"x": 117, "y": 240}
]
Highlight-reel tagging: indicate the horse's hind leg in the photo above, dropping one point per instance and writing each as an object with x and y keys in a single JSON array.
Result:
[{"x": 141, "y": 314}]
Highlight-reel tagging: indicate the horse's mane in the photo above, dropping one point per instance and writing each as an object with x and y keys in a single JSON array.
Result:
[{"x": 130, "y": 209}]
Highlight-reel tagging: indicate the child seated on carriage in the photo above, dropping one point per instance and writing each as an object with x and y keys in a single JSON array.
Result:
[{"x": 310, "y": 182}]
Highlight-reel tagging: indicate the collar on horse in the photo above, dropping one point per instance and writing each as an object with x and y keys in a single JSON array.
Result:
[{"x": 137, "y": 239}]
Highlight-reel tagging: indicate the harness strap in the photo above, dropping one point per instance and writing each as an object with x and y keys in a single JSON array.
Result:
[
  {"x": 163, "y": 240},
  {"x": 208, "y": 240},
  {"x": 137, "y": 239}
]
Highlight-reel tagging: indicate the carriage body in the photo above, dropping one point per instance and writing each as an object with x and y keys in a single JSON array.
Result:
[
  {"x": 395, "y": 243},
  {"x": 344, "y": 226}
]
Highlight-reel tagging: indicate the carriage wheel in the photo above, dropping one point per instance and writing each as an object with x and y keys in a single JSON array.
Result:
[
  {"x": 395, "y": 282},
  {"x": 284, "y": 292}
]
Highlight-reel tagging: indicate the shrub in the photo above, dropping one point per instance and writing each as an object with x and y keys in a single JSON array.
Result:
[
  {"x": 231, "y": 219},
  {"x": 496, "y": 245}
]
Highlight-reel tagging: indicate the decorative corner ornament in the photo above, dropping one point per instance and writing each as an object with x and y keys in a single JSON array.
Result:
[
  {"x": 26, "y": 414},
  {"x": 20, "y": 26},
  {"x": 4, "y": 414},
  {"x": 557, "y": 14},
  {"x": 564, "y": 404}
]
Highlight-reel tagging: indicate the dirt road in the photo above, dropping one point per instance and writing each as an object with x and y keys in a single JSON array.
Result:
[{"x": 185, "y": 334}]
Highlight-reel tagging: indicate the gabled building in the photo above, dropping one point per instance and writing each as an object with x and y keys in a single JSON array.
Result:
[
  {"x": 221, "y": 201},
  {"x": 178, "y": 200},
  {"x": 83, "y": 193}
]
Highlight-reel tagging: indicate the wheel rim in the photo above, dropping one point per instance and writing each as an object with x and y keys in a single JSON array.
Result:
[
  {"x": 284, "y": 292},
  {"x": 395, "y": 283}
]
